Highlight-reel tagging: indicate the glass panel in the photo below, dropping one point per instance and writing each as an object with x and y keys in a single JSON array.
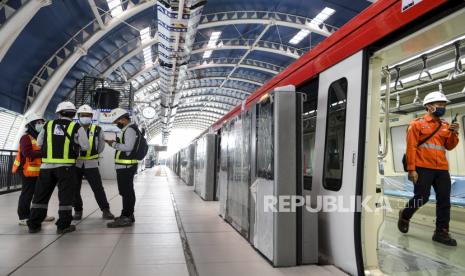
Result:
[
  {"x": 335, "y": 131},
  {"x": 186, "y": 164},
  {"x": 239, "y": 178},
  {"x": 265, "y": 146},
  {"x": 200, "y": 171},
  {"x": 309, "y": 148},
  {"x": 309, "y": 113},
  {"x": 223, "y": 172},
  {"x": 399, "y": 144}
]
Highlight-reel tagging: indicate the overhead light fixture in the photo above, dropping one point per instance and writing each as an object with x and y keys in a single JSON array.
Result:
[
  {"x": 115, "y": 7},
  {"x": 319, "y": 19},
  {"x": 211, "y": 44},
  {"x": 144, "y": 37}
]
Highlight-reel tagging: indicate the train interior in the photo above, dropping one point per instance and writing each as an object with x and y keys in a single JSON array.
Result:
[{"x": 425, "y": 61}]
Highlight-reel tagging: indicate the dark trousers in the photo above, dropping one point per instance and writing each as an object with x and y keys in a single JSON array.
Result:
[
  {"x": 125, "y": 179},
  {"x": 440, "y": 180},
  {"x": 95, "y": 181},
  {"x": 65, "y": 179},
  {"x": 25, "y": 198}
]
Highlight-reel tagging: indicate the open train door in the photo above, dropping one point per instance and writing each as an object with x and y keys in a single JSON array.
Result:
[{"x": 337, "y": 177}]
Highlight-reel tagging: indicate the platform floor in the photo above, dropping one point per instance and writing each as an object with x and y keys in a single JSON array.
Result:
[{"x": 153, "y": 246}]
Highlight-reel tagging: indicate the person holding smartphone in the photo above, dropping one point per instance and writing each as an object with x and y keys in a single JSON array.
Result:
[{"x": 428, "y": 138}]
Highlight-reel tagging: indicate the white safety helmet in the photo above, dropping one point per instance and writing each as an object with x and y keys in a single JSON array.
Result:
[
  {"x": 84, "y": 109},
  {"x": 33, "y": 117},
  {"x": 66, "y": 106},
  {"x": 117, "y": 113},
  {"x": 434, "y": 97}
]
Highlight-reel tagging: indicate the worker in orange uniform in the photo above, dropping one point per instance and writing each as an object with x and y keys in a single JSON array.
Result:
[
  {"x": 428, "y": 138},
  {"x": 28, "y": 161}
]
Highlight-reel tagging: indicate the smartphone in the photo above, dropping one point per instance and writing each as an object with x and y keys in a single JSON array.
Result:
[{"x": 455, "y": 119}]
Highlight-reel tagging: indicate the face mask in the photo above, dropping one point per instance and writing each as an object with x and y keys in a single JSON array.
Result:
[
  {"x": 85, "y": 120},
  {"x": 120, "y": 125},
  {"x": 39, "y": 127},
  {"x": 440, "y": 111}
]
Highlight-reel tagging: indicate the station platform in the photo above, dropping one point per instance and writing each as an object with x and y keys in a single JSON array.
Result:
[{"x": 176, "y": 233}]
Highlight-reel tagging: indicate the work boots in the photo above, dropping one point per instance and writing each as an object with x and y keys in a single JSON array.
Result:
[
  {"x": 402, "y": 223},
  {"x": 68, "y": 229},
  {"x": 34, "y": 230},
  {"x": 120, "y": 222},
  {"x": 77, "y": 215},
  {"x": 107, "y": 215},
  {"x": 442, "y": 236}
]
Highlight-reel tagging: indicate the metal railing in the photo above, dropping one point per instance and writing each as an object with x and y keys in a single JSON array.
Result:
[{"x": 9, "y": 182}]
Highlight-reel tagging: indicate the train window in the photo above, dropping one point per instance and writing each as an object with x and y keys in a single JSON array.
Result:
[
  {"x": 399, "y": 144},
  {"x": 335, "y": 132}
]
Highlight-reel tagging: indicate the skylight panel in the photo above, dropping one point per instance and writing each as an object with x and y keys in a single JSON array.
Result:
[
  {"x": 115, "y": 7},
  {"x": 147, "y": 51},
  {"x": 322, "y": 16},
  {"x": 145, "y": 34},
  {"x": 212, "y": 44},
  {"x": 319, "y": 19}
]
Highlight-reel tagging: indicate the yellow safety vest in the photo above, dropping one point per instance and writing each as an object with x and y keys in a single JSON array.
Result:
[
  {"x": 89, "y": 155},
  {"x": 66, "y": 159},
  {"x": 120, "y": 157}
]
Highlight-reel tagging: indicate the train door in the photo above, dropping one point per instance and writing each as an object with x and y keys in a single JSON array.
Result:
[
  {"x": 402, "y": 72},
  {"x": 335, "y": 178}
]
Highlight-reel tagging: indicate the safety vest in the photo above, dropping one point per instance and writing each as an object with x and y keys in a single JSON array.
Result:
[
  {"x": 31, "y": 167},
  {"x": 92, "y": 153},
  {"x": 58, "y": 147},
  {"x": 121, "y": 157},
  {"x": 432, "y": 153}
]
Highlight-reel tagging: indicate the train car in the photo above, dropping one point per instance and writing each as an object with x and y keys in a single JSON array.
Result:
[
  {"x": 332, "y": 125},
  {"x": 196, "y": 165}
]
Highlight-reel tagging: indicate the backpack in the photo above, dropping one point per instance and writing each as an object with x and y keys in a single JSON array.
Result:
[{"x": 141, "y": 147}]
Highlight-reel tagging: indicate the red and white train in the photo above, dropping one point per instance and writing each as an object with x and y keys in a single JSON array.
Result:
[{"x": 333, "y": 125}]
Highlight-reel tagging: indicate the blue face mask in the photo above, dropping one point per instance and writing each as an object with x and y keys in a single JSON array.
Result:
[
  {"x": 85, "y": 120},
  {"x": 38, "y": 127},
  {"x": 440, "y": 111}
]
